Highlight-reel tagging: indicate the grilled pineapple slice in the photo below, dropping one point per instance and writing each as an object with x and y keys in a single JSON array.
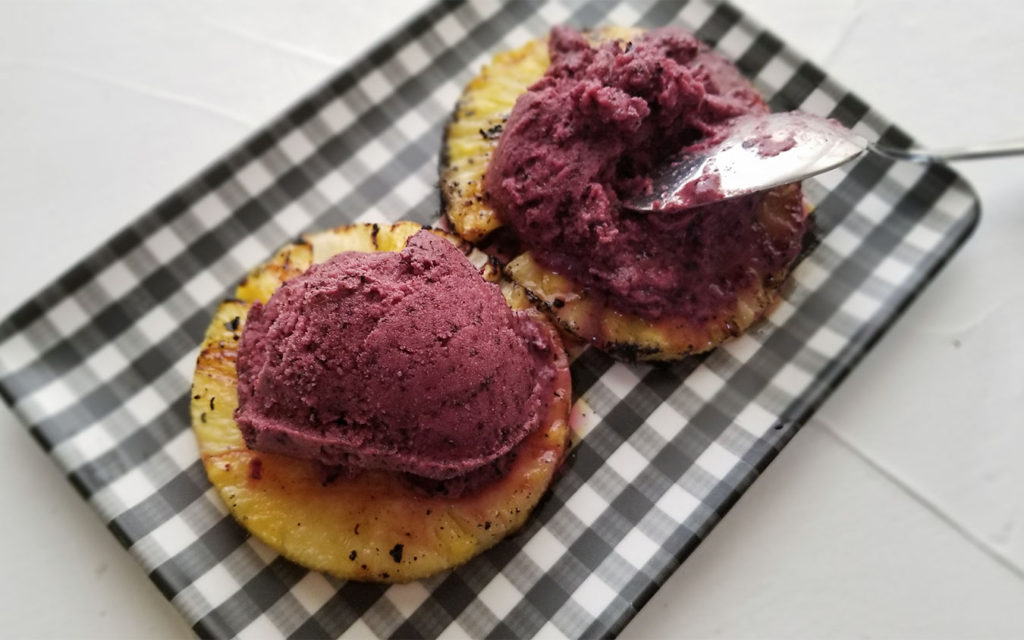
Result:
[
  {"x": 631, "y": 338},
  {"x": 372, "y": 526},
  {"x": 469, "y": 142},
  {"x": 476, "y": 125}
]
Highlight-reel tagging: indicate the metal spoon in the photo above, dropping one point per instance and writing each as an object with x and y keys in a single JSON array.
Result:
[{"x": 764, "y": 151}]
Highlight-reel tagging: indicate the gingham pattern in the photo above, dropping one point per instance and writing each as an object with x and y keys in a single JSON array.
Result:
[{"x": 99, "y": 364}]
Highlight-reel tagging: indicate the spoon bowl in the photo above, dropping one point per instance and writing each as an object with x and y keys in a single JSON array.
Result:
[{"x": 761, "y": 151}]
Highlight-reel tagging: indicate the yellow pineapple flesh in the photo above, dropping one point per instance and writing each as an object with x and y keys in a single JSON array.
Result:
[{"x": 373, "y": 525}]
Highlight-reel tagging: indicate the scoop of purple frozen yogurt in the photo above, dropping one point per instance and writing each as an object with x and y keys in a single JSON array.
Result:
[
  {"x": 405, "y": 361},
  {"x": 587, "y": 135}
]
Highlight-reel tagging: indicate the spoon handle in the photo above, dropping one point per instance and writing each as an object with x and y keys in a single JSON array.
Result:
[{"x": 971, "y": 152}]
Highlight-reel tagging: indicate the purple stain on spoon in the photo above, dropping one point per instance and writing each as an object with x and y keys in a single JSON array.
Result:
[
  {"x": 769, "y": 145},
  {"x": 752, "y": 153}
]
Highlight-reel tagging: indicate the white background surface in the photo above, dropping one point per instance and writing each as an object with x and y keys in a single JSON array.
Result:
[{"x": 898, "y": 512}]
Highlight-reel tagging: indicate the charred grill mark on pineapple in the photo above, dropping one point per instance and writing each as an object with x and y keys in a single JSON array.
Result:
[
  {"x": 370, "y": 525},
  {"x": 494, "y": 132},
  {"x": 396, "y": 552},
  {"x": 629, "y": 352}
]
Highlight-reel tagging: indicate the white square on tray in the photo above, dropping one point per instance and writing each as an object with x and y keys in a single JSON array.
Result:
[
  {"x": 818, "y": 102},
  {"x": 500, "y": 596},
  {"x": 627, "y": 462},
  {"x": 116, "y": 280},
  {"x": 211, "y": 210},
  {"x": 678, "y": 503},
  {"x": 156, "y": 324},
  {"x": 293, "y": 218},
  {"x": 204, "y": 288},
  {"x": 249, "y": 251},
  {"x": 145, "y": 405},
  {"x": 594, "y": 595},
  {"x": 48, "y": 401},
  {"x": 775, "y": 74},
  {"x": 704, "y": 382},
  {"x": 518, "y": 36},
  {"x": 449, "y": 30},
  {"x": 412, "y": 124},
  {"x": 783, "y": 311},
  {"x": 255, "y": 177},
  {"x": 873, "y": 207},
  {"x": 106, "y": 361},
  {"x": 296, "y": 146},
  {"x": 695, "y": 14},
  {"x": 16, "y": 352},
  {"x": 620, "y": 379},
  {"x": 923, "y": 237},
  {"x": 413, "y": 57},
  {"x": 358, "y": 631},
  {"x": 861, "y": 305},
  {"x": 623, "y": 14},
  {"x": 792, "y": 379},
  {"x": 183, "y": 449},
  {"x": 544, "y": 549},
  {"x": 553, "y": 13},
  {"x": 446, "y": 93},
  {"x": 334, "y": 186},
  {"x": 955, "y": 202},
  {"x": 827, "y": 342},
  {"x": 586, "y": 504},
  {"x": 86, "y": 445},
  {"x": 636, "y": 548},
  {"x": 375, "y": 86},
  {"x": 68, "y": 316},
  {"x": 184, "y": 367},
  {"x": 810, "y": 275},
  {"x": 735, "y": 42},
  {"x": 893, "y": 270},
  {"x": 412, "y": 189},
  {"x": 216, "y": 585},
  {"x": 312, "y": 591},
  {"x": 842, "y": 241},
  {"x": 743, "y": 348},
  {"x": 127, "y": 491},
  {"x": 550, "y": 632},
  {"x": 337, "y": 115},
  {"x": 454, "y": 631},
  {"x": 173, "y": 536},
  {"x": 717, "y": 460},
  {"x": 408, "y": 597},
  {"x": 261, "y": 627},
  {"x": 164, "y": 244},
  {"x": 374, "y": 155},
  {"x": 666, "y": 421},
  {"x": 756, "y": 420}
]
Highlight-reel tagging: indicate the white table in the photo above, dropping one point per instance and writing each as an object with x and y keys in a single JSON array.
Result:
[{"x": 899, "y": 511}]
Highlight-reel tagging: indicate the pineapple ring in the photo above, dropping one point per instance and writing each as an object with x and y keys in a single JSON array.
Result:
[
  {"x": 475, "y": 126},
  {"x": 372, "y": 526},
  {"x": 469, "y": 143}
]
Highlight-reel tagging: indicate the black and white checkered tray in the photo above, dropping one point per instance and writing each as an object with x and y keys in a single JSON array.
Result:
[{"x": 99, "y": 364}]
